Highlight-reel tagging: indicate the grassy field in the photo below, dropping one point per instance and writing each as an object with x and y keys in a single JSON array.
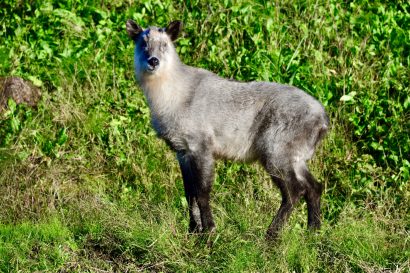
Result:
[{"x": 85, "y": 185}]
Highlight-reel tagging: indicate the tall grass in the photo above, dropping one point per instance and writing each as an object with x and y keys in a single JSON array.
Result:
[{"x": 86, "y": 186}]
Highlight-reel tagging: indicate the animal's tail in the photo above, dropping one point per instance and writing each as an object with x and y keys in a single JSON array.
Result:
[{"x": 322, "y": 130}]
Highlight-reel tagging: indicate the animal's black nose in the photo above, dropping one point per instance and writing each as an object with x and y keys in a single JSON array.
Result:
[{"x": 153, "y": 61}]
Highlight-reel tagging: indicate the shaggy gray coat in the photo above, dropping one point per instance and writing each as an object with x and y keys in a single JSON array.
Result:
[{"x": 204, "y": 117}]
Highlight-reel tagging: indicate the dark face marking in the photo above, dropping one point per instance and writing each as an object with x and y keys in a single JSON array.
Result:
[{"x": 152, "y": 46}]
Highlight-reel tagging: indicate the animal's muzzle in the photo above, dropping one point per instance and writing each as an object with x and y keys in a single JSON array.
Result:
[{"x": 153, "y": 62}]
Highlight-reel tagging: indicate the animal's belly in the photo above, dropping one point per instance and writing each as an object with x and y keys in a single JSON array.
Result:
[{"x": 235, "y": 147}]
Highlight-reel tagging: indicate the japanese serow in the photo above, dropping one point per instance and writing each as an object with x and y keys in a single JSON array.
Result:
[{"x": 204, "y": 117}]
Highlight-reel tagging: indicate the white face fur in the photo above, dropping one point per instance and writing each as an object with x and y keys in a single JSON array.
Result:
[
  {"x": 153, "y": 53},
  {"x": 155, "y": 64}
]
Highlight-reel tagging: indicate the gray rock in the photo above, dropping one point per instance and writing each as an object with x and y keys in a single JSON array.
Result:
[{"x": 21, "y": 91}]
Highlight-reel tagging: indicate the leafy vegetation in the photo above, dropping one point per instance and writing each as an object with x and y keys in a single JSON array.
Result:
[{"x": 87, "y": 187}]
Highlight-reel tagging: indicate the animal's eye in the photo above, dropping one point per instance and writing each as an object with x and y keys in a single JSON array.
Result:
[
  {"x": 144, "y": 46},
  {"x": 163, "y": 46}
]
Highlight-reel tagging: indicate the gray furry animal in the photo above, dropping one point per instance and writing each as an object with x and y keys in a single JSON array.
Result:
[{"x": 204, "y": 117}]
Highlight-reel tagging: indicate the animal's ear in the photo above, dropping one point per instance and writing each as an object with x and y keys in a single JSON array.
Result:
[
  {"x": 133, "y": 29},
  {"x": 174, "y": 29}
]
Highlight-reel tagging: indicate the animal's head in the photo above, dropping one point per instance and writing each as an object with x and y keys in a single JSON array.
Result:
[{"x": 154, "y": 50}]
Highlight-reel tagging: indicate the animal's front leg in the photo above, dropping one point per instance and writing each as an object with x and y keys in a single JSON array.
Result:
[
  {"x": 195, "y": 223},
  {"x": 198, "y": 175}
]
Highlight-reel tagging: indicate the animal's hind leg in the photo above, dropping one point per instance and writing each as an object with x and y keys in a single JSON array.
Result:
[
  {"x": 312, "y": 197},
  {"x": 291, "y": 189}
]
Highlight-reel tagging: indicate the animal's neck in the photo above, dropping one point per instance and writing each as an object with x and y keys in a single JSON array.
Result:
[{"x": 165, "y": 91}]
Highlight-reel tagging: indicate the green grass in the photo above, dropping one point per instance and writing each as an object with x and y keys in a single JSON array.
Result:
[
  {"x": 86, "y": 186},
  {"x": 32, "y": 247}
]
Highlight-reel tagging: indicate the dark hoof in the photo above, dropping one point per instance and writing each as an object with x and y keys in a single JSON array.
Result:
[
  {"x": 314, "y": 225},
  {"x": 209, "y": 236},
  {"x": 210, "y": 229},
  {"x": 194, "y": 228},
  {"x": 271, "y": 236}
]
